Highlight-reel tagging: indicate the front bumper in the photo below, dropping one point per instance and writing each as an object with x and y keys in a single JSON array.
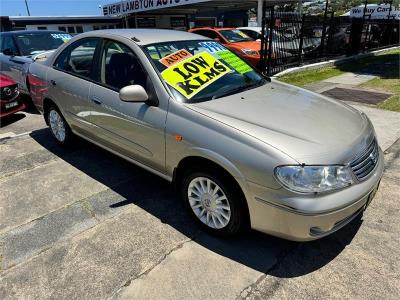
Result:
[{"x": 270, "y": 214}]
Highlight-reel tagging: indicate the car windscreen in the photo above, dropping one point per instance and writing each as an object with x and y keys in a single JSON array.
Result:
[
  {"x": 202, "y": 70},
  {"x": 234, "y": 36},
  {"x": 38, "y": 42}
]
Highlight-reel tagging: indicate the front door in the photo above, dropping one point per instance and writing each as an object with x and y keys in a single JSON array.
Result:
[{"x": 134, "y": 129}]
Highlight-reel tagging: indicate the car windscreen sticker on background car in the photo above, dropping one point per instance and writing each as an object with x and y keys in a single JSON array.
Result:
[
  {"x": 235, "y": 62},
  {"x": 213, "y": 47},
  {"x": 195, "y": 73},
  {"x": 175, "y": 57},
  {"x": 241, "y": 33},
  {"x": 64, "y": 37}
]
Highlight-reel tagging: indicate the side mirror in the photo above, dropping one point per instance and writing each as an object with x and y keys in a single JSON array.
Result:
[
  {"x": 133, "y": 93},
  {"x": 8, "y": 52}
]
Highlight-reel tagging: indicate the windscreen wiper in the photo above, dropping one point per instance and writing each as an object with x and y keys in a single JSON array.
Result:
[{"x": 240, "y": 89}]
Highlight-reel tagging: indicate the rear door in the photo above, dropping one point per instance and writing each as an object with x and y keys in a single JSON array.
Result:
[
  {"x": 70, "y": 80},
  {"x": 134, "y": 129}
]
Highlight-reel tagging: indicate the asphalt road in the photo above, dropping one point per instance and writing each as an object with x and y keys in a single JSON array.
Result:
[{"x": 80, "y": 223}]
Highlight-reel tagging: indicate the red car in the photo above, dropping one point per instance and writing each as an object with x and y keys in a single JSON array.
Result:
[
  {"x": 10, "y": 101},
  {"x": 235, "y": 40}
]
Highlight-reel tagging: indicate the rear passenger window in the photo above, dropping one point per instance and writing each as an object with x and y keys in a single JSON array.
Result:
[{"x": 78, "y": 58}]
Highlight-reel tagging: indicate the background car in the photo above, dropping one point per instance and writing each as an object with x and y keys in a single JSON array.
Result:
[
  {"x": 235, "y": 40},
  {"x": 10, "y": 101},
  {"x": 18, "y": 49},
  {"x": 284, "y": 45}
]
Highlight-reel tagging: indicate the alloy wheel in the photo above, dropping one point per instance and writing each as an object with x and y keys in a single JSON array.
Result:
[
  {"x": 57, "y": 125},
  {"x": 209, "y": 202}
]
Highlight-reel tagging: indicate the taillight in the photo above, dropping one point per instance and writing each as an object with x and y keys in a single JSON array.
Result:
[
  {"x": 35, "y": 81},
  {"x": 37, "y": 87}
]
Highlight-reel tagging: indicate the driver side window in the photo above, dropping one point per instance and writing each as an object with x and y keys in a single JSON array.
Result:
[
  {"x": 119, "y": 67},
  {"x": 210, "y": 34},
  {"x": 7, "y": 42}
]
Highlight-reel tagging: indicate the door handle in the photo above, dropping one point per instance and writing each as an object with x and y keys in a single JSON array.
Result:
[
  {"x": 96, "y": 100},
  {"x": 53, "y": 82}
]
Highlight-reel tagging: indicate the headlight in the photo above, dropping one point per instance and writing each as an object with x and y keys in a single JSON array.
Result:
[
  {"x": 250, "y": 52},
  {"x": 314, "y": 179}
]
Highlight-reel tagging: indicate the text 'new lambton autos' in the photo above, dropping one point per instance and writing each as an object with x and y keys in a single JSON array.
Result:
[{"x": 242, "y": 150}]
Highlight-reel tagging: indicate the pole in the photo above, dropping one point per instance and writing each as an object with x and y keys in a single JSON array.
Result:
[
  {"x": 363, "y": 23},
  {"x": 270, "y": 37},
  {"x": 27, "y": 8},
  {"x": 259, "y": 12},
  {"x": 301, "y": 39},
  {"x": 390, "y": 9},
  {"x": 365, "y": 9},
  {"x": 263, "y": 38},
  {"x": 324, "y": 29}
]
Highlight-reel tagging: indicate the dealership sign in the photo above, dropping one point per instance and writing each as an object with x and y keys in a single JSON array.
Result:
[
  {"x": 375, "y": 11},
  {"x": 133, "y": 6}
]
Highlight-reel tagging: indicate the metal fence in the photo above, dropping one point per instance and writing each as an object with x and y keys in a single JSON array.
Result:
[{"x": 291, "y": 39}]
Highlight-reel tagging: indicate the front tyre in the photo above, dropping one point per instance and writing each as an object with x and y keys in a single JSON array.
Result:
[
  {"x": 214, "y": 203},
  {"x": 58, "y": 126}
]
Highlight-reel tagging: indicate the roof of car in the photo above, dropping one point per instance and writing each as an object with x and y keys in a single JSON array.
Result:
[
  {"x": 214, "y": 28},
  {"x": 147, "y": 36},
  {"x": 253, "y": 28}
]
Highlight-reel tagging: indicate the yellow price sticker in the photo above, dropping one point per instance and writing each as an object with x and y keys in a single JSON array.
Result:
[{"x": 195, "y": 73}]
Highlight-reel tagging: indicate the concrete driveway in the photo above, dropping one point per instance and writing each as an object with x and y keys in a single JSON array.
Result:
[{"x": 81, "y": 223}]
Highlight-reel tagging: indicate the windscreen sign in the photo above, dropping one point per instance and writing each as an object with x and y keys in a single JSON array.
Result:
[
  {"x": 192, "y": 75},
  {"x": 134, "y": 6}
]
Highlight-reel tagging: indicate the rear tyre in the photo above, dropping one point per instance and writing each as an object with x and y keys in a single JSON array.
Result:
[
  {"x": 58, "y": 126},
  {"x": 214, "y": 202}
]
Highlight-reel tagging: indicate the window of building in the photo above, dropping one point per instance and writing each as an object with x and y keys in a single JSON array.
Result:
[
  {"x": 62, "y": 28},
  {"x": 71, "y": 29},
  {"x": 104, "y": 27},
  {"x": 79, "y": 29},
  {"x": 110, "y": 26},
  {"x": 96, "y": 27},
  {"x": 42, "y": 28}
]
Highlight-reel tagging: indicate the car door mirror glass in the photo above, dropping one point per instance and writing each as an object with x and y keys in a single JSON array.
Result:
[{"x": 133, "y": 93}]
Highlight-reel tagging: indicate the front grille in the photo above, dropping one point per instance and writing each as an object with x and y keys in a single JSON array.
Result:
[{"x": 363, "y": 165}]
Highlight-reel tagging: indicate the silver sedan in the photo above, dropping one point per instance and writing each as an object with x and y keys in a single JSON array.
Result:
[{"x": 243, "y": 151}]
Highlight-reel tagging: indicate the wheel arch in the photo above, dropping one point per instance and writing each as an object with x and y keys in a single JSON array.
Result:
[{"x": 205, "y": 163}]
